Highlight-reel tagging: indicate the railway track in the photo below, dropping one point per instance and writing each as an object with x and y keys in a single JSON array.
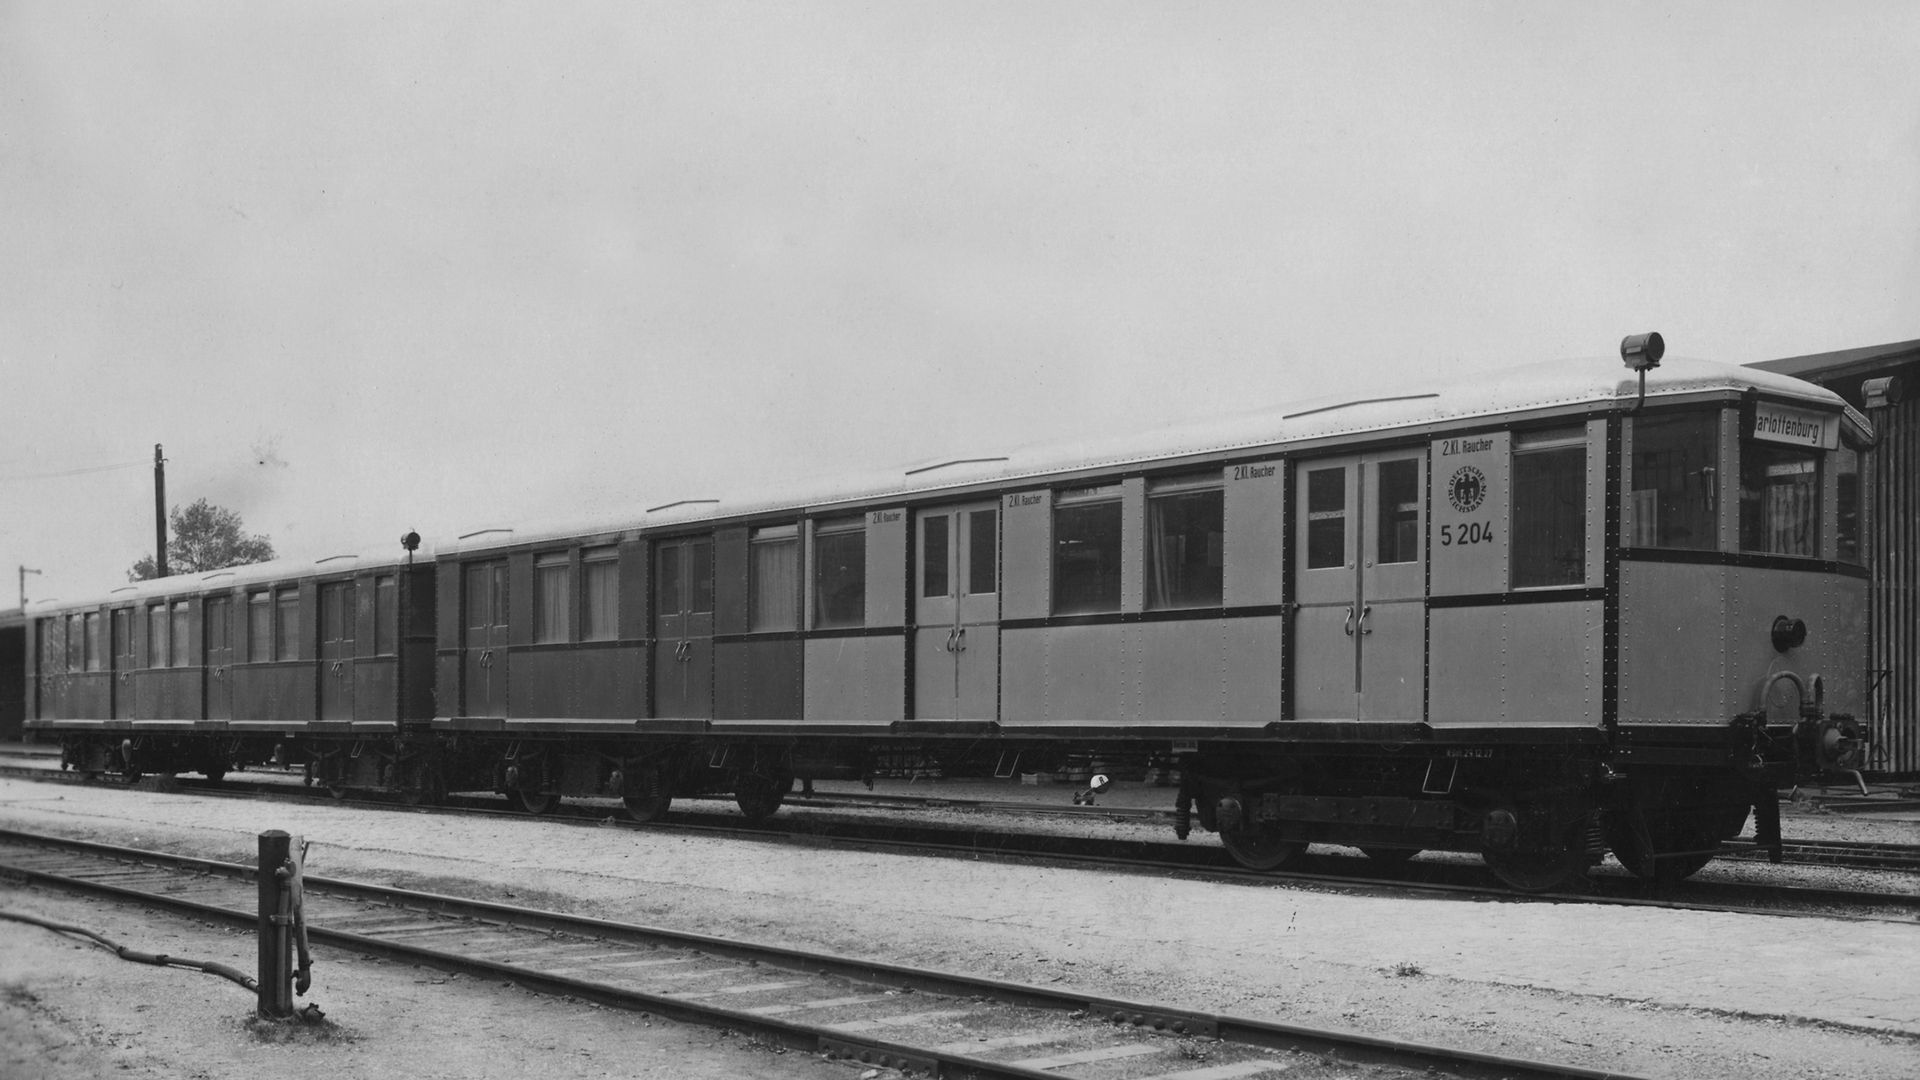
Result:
[
  {"x": 932, "y": 1022},
  {"x": 1444, "y": 875}
]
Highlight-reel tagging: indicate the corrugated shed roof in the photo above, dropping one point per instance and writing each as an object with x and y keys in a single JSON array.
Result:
[{"x": 1844, "y": 362}]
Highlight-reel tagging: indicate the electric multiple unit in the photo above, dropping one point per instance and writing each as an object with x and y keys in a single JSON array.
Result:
[{"x": 1535, "y": 615}]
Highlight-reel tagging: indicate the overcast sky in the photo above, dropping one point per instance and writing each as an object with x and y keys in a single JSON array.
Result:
[{"x": 366, "y": 267}]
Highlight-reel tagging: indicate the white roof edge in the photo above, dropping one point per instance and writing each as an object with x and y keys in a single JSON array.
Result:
[
  {"x": 216, "y": 581},
  {"x": 1534, "y": 388}
]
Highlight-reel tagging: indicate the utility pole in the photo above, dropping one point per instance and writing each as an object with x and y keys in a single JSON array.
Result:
[
  {"x": 159, "y": 513},
  {"x": 23, "y": 585}
]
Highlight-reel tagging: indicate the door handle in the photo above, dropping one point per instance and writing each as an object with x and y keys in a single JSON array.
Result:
[
  {"x": 952, "y": 633},
  {"x": 486, "y": 658},
  {"x": 963, "y": 641},
  {"x": 1364, "y": 612},
  {"x": 1349, "y": 627}
]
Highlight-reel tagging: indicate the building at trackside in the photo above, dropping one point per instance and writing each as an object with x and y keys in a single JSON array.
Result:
[{"x": 1890, "y": 533}]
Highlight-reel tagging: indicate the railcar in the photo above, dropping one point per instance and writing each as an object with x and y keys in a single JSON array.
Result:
[
  {"x": 1536, "y": 616},
  {"x": 325, "y": 665}
]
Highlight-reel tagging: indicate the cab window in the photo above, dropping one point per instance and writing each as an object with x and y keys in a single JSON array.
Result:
[
  {"x": 1675, "y": 500},
  {"x": 1779, "y": 500}
]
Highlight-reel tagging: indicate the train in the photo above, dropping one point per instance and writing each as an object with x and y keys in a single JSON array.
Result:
[{"x": 1537, "y": 615}]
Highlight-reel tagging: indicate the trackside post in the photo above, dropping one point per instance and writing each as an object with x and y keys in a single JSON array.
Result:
[{"x": 281, "y": 925}]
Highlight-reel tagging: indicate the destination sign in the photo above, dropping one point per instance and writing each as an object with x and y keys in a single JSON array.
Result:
[{"x": 1798, "y": 427}]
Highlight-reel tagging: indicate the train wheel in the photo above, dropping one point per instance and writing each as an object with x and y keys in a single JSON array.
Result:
[
  {"x": 1688, "y": 821},
  {"x": 424, "y": 786},
  {"x": 214, "y": 775},
  {"x": 1636, "y": 849},
  {"x": 1390, "y": 858},
  {"x": 1259, "y": 849},
  {"x": 1538, "y": 871},
  {"x": 647, "y": 809},
  {"x": 760, "y": 795},
  {"x": 536, "y": 802},
  {"x": 651, "y": 798}
]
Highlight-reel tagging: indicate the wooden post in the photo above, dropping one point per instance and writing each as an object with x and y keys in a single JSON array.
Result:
[{"x": 276, "y": 939}]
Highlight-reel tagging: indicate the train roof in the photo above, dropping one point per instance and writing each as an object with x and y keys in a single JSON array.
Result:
[
  {"x": 181, "y": 585},
  {"x": 1539, "y": 390}
]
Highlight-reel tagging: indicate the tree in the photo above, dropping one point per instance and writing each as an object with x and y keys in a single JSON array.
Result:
[{"x": 204, "y": 537}]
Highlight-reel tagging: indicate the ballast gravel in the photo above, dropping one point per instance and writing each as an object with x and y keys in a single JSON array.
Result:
[{"x": 1643, "y": 991}]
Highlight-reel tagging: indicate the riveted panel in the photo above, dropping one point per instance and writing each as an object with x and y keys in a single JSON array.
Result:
[
  {"x": 1026, "y": 556},
  {"x": 1673, "y": 622},
  {"x": 855, "y": 680},
  {"x": 1471, "y": 501},
  {"x": 731, "y": 587},
  {"x": 1183, "y": 672},
  {"x": 1256, "y": 533},
  {"x": 1467, "y": 670},
  {"x": 887, "y": 567},
  {"x": 1133, "y": 544}
]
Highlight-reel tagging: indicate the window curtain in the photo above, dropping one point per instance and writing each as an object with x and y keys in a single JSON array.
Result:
[{"x": 776, "y": 584}]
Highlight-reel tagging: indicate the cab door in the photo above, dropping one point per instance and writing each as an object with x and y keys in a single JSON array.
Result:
[
  {"x": 957, "y": 613},
  {"x": 336, "y": 651},
  {"x": 483, "y": 641},
  {"x": 1360, "y": 586},
  {"x": 683, "y": 628}
]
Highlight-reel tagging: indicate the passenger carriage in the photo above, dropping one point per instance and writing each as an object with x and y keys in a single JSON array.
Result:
[{"x": 323, "y": 665}]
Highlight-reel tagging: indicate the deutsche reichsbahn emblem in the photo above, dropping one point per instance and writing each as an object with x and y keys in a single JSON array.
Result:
[{"x": 1467, "y": 489}]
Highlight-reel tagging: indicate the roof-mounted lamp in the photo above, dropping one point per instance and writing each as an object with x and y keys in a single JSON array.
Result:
[
  {"x": 1642, "y": 353},
  {"x": 411, "y": 542}
]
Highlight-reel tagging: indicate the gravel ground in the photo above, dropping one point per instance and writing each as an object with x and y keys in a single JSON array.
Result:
[{"x": 1565, "y": 982}]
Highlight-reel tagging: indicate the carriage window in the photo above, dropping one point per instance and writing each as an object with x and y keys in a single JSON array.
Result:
[
  {"x": 1186, "y": 532},
  {"x": 386, "y": 617},
  {"x": 700, "y": 576},
  {"x": 599, "y": 594},
  {"x": 121, "y": 628},
  {"x": 774, "y": 582},
  {"x": 1086, "y": 551},
  {"x": 983, "y": 561},
  {"x": 286, "y": 624},
  {"x": 552, "y": 606},
  {"x": 933, "y": 556},
  {"x": 1779, "y": 500},
  {"x": 839, "y": 574},
  {"x": 53, "y": 645},
  {"x": 1848, "y": 463},
  {"x": 180, "y": 635},
  {"x": 76, "y": 642},
  {"x": 1550, "y": 510},
  {"x": 1399, "y": 511},
  {"x": 259, "y": 626},
  {"x": 157, "y": 635},
  {"x": 1326, "y": 518},
  {"x": 218, "y": 626},
  {"x": 337, "y": 614},
  {"x": 1675, "y": 474}
]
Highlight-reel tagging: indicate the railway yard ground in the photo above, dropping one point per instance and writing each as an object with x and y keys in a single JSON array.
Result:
[{"x": 1641, "y": 990}]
